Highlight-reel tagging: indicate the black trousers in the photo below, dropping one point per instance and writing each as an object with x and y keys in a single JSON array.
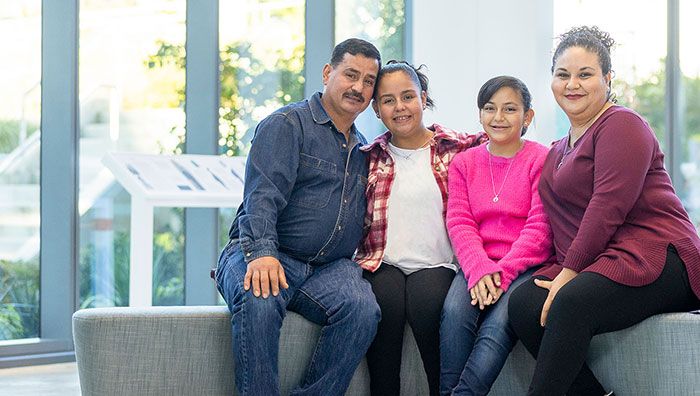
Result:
[
  {"x": 418, "y": 298},
  {"x": 589, "y": 304}
]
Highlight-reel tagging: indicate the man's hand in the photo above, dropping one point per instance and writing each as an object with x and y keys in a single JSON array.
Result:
[
  {"x": 563, "y": 278},
  {"x": 487, "y": 290},
  {"x": 265, "y": 273}
]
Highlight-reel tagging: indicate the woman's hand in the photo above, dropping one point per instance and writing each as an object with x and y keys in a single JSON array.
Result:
[
  {"x": 553, "y": 286},
  {"x": 487, "y": 290}
]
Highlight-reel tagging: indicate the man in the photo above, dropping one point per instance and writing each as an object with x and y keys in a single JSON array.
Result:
[{"x": 296, "y": 230}]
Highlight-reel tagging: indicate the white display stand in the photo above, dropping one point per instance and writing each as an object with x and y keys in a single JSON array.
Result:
[{"x": 169, "y": 181}]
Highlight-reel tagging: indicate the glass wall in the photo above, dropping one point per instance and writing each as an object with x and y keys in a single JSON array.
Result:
[
  {"x": 261, "y": 46},
  {"x": 638, "y": 56},
  {"x": 20, "y": 114},
  {"x": 132, "y": 83},
  {"x": 380, "y": 22},
  {"x": 689, "y": 125}
]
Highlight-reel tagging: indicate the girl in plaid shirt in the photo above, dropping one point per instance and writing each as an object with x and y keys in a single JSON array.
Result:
[{"x": 406, "y": 253}]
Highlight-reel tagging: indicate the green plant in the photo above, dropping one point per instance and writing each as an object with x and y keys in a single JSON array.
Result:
[
  {"x": 168, "y": 267},
  {"x": 248, "y": 84},
  {"x": 9, "y": 134},
  {"x": 648, "y": 98},
  {"x": 118, "y": 294},
  {"x": 19, "y": 299}
]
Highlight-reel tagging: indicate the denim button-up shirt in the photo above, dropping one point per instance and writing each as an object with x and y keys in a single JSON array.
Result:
[{"x": 304, "y": 191}]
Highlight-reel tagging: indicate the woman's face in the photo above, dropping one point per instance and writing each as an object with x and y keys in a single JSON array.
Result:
[
  {"x": 504, "y": 116},
  {"x": 399, "y": 103},
  {"x": 578, "y": 84}
]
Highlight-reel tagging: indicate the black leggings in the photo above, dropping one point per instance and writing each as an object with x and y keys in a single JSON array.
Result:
[
  {"x": 418, "y": 298},
  {"x": 589, "y": 304}
]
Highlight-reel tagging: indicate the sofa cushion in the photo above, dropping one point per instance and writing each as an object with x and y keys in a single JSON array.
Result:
[{"x": 187, "y": 351}]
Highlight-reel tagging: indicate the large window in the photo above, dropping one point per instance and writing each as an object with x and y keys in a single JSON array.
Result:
[
  {"x": 638, "y": 56},
  {"x": 641, "y": 80},
  {"x": 380, "y": 22},
  {"x": 20, "y": 111},
  {"x": 261, "y": 46},
  {"x": 688, "y": 185},
  {"x": 131, "y": 79}
]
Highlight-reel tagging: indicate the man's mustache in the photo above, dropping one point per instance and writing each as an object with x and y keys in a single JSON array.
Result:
[{"x": 355, "y": 94}]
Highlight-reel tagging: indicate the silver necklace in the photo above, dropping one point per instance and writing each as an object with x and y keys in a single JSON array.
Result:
[
  {"x": 408, "y": 156},
  {"x": 566, "y": 150},
  {"x": 493, "y": 184}
]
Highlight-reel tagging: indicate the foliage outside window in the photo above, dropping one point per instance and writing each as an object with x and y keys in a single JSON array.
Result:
[
  {"x": 20, "y": 114},
  {"x": 126, "y": 106},
  {"x": 639, "y": 75},
  {"x": 380, "y": 22}
]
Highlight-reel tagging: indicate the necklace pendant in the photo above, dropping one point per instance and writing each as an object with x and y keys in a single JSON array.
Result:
[{"x": 495, "y": 199}]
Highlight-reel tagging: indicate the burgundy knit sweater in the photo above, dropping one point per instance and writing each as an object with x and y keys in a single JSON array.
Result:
[{"x": 611, "y": 204}]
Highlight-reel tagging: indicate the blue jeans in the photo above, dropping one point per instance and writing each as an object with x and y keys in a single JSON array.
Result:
[
  {"x": 474, "y": 344},
  {"x": 333, "y": 295}
]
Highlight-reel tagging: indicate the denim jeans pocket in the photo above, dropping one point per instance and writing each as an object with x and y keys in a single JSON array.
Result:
[{"x": 223, "y": 261}]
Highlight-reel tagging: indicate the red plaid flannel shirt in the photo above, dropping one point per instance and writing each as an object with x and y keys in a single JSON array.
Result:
[{"x": 443, "y": 147}]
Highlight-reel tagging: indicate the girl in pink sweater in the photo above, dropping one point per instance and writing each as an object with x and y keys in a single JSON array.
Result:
[{"x": 499, "y": 232}]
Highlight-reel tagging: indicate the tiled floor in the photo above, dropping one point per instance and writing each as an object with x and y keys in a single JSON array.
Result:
[{"x": 46, "y": 380}]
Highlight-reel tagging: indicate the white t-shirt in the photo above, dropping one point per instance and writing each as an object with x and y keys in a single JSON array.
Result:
[{"x": 416, "y": 236}]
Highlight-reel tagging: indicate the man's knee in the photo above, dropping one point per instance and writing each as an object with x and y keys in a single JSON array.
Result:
[
  {"x": 262, "y": 313},
  {"x": 358, "y": 299},
  {"x": 362, "y": 311},
  {"x": 365, "y": 306}
]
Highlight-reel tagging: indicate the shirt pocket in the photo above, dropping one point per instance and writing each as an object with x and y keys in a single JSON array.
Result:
[{"x": 315, "y": 182}]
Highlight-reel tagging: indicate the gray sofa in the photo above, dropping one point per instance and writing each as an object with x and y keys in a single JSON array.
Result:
[{"x": 187, "y": 351}]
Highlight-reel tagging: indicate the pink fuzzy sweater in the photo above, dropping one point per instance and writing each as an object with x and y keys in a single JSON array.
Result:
[{"x": 508, "y": 236}]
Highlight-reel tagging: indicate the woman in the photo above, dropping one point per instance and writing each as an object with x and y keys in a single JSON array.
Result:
[
  {"x": 406, "y": 253},
  {"x": 626, "y": 249},
  {"x": 499, "y": 232}
]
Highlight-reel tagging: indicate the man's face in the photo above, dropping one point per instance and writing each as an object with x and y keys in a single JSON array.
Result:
[{"x": 349, "y": 85}]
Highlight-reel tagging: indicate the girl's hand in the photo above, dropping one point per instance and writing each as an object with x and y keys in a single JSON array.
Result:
[
  {"x": 487, "y": 290},
  {"x": 553, "y": 286}
]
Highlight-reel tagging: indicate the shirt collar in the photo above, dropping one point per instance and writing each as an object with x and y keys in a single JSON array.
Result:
[
  {"x": 441, "y": 133},
  {"x": 320, "y": 116},
  {"x": 318, "y": 113}
]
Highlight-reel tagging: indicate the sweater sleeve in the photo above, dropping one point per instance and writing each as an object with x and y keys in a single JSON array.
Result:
[
  {"x": 624, "y": 148},
  {"x": 534, "y": 243},
  {"x": 463, "y": 227}
]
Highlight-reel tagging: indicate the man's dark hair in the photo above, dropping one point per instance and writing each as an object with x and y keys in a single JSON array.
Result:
[{"x": 354, "y": 46}]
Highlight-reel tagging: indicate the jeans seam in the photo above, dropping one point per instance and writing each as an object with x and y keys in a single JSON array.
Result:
[
  {"x": 312, "y": 363},
  {"x": 242, "y": 341},
  {"x": 325, "y": 309}
]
